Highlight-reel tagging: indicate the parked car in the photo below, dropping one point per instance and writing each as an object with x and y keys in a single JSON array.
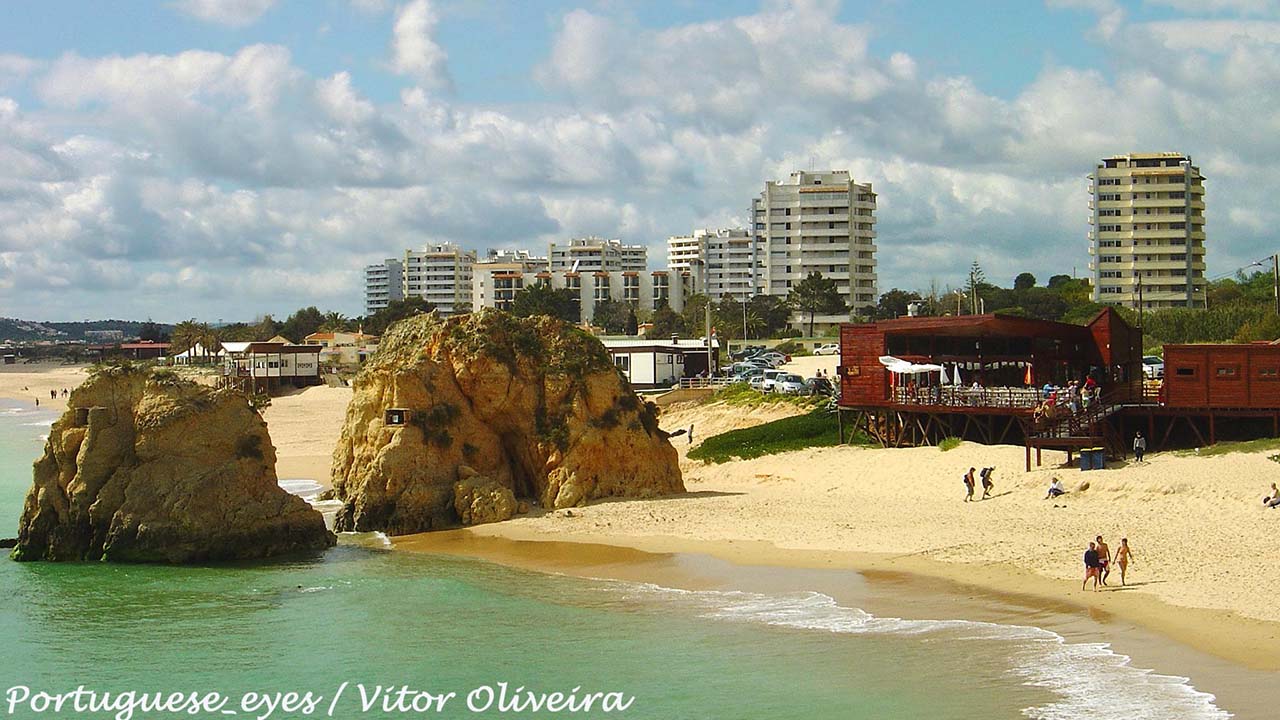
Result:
[
  {"x": 827, "y": 349},
  {"x": 747, "y": 352},
  {"x": 1153, "y": 366},
  {"x": 776, "y": 358},
  {"x": 819, "y": 386},
  {"x": 769, "y": 380},
  {"x": 747, "y": 375},
  {"x": 791, "y": 385}
]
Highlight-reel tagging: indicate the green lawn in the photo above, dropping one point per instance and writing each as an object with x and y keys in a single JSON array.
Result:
[
  {"x": 1240, "y": 446},
  {"x": 814, "y": 429}
]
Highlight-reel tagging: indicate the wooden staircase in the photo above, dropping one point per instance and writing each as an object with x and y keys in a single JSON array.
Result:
[{"x": 1074, "y": 431}]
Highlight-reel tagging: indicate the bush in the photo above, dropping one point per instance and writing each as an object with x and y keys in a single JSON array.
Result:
[
  {"x": 747, "y": 396},
  {"x": 815, "y": 429},
  {"x": 949, "y": 443}
]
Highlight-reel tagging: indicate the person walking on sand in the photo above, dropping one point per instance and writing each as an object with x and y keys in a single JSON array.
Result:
[
  {"x": 1139, "y": 447},
  {"x": 1124, "y": 556},
  {"x": 1091, "y": 567},
  {"x": 1104, "y": 560},
  {"x": 987, "y": 484},
  {"x": 968, "y": 486}
]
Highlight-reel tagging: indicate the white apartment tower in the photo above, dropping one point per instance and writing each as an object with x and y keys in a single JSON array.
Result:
[
  {"x": 818, "y": 221},
  {"x": 1146, "y": 235},
  {"x": 592, "y": 254},
  {"x": 441, "y": 275},
  {"x": 725, "y": 262},
  {"x": 383, "y": 282}
]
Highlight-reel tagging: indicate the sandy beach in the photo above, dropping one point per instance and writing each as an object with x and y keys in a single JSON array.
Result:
[
  {"x": 304, "y": 427},
  {"x": 25, "y": 383}
]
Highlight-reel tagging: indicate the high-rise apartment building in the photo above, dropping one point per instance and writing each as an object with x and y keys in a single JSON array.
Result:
[
  {"x": 441, "y": 275},
  {"x": 1146, "y": 235},
  {"x": 593, "y": 254},
  {"x": 383, "y": 282},
  {"x": 818, "y": 221},
  {"x": 725, "y": 262}
]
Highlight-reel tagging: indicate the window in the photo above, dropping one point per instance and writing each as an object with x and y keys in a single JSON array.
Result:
[
  {"x": 1269, "y": 373},
  {"x": 395, "y": 416},
  {"x": 1109, "y": 196},
  {"x": 1186, "y": 372},
  {"x": 623, "y": 362},
  {"x": 1109, "y": 181},
  {"x": 1227, "y": 372}
]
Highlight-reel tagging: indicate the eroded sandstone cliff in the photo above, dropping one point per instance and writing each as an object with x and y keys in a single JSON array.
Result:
[
  {"x": 451, "y": 414},
  {"x": 146, "y": 467}
]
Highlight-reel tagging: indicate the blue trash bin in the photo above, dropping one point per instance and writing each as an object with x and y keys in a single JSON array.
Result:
[{"x": 1086, "y": 459}]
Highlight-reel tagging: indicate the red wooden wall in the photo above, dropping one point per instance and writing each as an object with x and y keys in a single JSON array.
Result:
[
  {"x": 1222, "y": 376},
  {"x": 863, "y": 380}
]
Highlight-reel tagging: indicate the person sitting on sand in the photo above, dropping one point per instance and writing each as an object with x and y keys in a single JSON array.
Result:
[
  {"x": 968, "y": 486},
  {"x": 1091, "y": 566},
  {"x": 1272, "y": 500},
  {"x": 987, "y": 484},
  {"x": 1124, "y": 555},
  {"x": 1055, "y": 489},
  {"x": 1104, "y": 560}
]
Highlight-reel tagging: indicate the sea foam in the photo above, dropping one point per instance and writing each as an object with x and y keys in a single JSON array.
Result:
[{"x": 1042, "y": 658}]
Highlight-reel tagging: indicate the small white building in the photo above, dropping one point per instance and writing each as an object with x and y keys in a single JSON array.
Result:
[
  {"x": 270, "y": 366},
  {"x": 197, "y": 354},
  {"x": 650, "y": 364},
  {"x": 343, "y": 348}
]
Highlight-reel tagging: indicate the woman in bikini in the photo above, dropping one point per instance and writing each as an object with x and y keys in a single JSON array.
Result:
[{"x": 1124, "y": 554}]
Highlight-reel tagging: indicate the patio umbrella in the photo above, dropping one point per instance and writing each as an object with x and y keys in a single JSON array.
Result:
[
  {"x": 945, "y": 379},
  {"x": 957, "y": 379}
]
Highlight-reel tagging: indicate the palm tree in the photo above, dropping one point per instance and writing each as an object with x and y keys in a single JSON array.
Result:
[
  {"x": 185, "y": 335},
  {"x": 334, "y": 322}
]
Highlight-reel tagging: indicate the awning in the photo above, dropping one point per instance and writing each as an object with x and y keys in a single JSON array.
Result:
[{"x": 902, "y": 367}]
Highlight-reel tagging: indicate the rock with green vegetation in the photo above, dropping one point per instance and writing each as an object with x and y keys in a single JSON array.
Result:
[
  {"x": 533, "y": 405},
  {"x": 146, "y": 467}
]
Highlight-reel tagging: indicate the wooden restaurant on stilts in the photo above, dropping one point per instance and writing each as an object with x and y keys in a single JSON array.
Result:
[{"x": 917, "y": 380}]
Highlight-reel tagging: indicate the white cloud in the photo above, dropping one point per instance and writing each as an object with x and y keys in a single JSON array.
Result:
[
  {"x": 414, "y": 51},
  {"x": 260, "y": 187},
  {"x": 1245, "y": 7},
  {"x": 231, "y": 13}
]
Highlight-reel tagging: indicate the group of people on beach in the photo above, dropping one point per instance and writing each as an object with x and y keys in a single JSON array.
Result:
[
  {"x": 1098, "y": 560},
  {"x": 53, "y": 394},
  {"x": 970, "y": 483}
]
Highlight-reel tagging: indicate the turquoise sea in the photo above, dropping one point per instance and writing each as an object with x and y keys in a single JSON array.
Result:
[{"x": 363, "y": 615}]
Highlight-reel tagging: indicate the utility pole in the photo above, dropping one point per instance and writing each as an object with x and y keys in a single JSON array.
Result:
[
  {"x": 1139, "y": 304},
  {"x": 973, "y": 285},
  {"x": 744, "y": 320},
  {"x": 1275, "y": 279}
]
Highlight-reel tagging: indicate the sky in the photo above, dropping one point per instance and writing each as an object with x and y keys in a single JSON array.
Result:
[{"x": 224, "y": 159}]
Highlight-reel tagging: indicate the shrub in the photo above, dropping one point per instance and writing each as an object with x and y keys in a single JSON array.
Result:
[
  {"x": 949, "y": 443},
  {"x": 814, "y": 429}
]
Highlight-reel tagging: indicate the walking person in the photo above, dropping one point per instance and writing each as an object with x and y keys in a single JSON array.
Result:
[
  {"x": 1139, "y": 447},
  {"x": 1124, "y": 556},
  {"x": 1091, "y": 567},
  {"x": 987, "y": 484},
  {"x": 1104, "y": 560},
  {"x": 968, "y": 486}
]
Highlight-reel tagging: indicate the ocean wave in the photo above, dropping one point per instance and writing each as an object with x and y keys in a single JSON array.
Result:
[
  {"x": 374, "y": 540},
  {"x": 305, "y": 488},
  {"x": 1041, "y": 658},
  {"x": 39, "y": 423}
]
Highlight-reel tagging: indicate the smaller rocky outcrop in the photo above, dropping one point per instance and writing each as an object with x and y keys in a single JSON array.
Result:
[
  {"x": 479, "y": 499},
  {"x": 462, "y": 419},
  {"x": 146, "y": 467}
]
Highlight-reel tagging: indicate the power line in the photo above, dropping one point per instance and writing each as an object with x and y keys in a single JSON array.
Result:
[{"x": 1255, "y": 263}]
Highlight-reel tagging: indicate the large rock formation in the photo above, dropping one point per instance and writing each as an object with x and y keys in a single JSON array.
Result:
[
  {"x": 449, "y": 414},
  {"x": 145, "y": 467}
]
